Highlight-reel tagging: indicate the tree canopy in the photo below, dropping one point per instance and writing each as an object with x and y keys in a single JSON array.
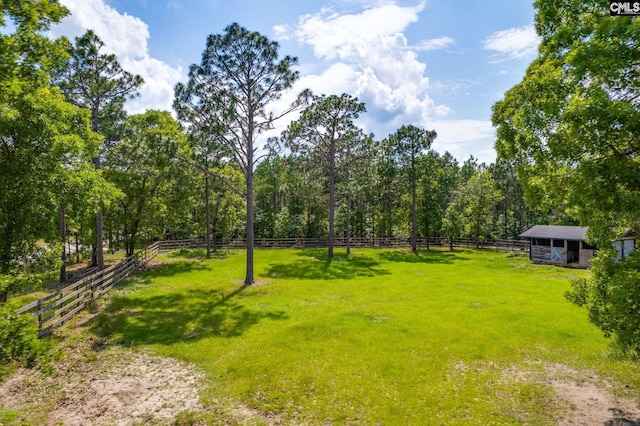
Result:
[
  {"x": 94, "y": 80},
  {"x": 45, "y": 142},
  {"x": 573, "y": 127},
  {"x": 325, "y": 130},
  {"x": 407, "y": 144}
]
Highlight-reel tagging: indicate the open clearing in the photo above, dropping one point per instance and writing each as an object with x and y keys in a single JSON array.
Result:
[{"x": 387, "y": 337}]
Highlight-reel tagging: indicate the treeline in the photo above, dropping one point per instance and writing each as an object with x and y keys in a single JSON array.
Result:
[{"x": 453, "y": 200}]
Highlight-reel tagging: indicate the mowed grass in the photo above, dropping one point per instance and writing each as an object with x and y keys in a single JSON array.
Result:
[{"x": 379, "y": 337}]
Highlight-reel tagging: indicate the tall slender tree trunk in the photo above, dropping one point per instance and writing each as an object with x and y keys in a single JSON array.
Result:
[
  {"x": 207, "y": 213},
  {"x": 332, "y": 196},
  {"x": 249, "y": 178},
  {"x": 348, "y": 224},
  {"x": 98, "y": 257},
  {"x": 505, "y": 213},
  {"x": 63, "y": 238},
  {"x": 427, "y": 236},
  {"x": 414, "y": 218},
  {"x": 522, "y": 215},
  {"x": 348, "y": 218}
]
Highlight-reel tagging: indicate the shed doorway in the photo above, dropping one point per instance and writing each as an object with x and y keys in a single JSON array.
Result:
[{"x": 573, "y": 251}]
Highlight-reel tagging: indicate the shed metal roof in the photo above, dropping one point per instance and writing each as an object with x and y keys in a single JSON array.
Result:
[{"x": 576, "y": 233}]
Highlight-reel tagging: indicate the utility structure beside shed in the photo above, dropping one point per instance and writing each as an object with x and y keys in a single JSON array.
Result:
[{"x": 566, "y": 245}]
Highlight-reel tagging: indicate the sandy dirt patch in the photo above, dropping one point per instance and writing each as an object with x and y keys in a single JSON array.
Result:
[
  {"x": 590, "y": 399},
  {"x": 583, "y": 397},
  {"x": 106, "y": 387}
]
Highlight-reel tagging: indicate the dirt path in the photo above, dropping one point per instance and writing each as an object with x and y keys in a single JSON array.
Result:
[
  {"x": 590, "y": 400},
  {"x": 580, "y": 397},
  {"x": 104, "y": 387}
]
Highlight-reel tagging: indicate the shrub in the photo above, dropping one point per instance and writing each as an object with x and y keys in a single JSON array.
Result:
[
  {"x": 612, "y": 297},
  {"x": 19, "y": 341}
]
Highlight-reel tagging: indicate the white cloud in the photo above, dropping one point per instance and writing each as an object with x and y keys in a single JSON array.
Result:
[
  {"x": 335, "y": 36},
  {"x": 462, "y": 137},
  {"x": 370, "y": 58},
  {"x": 281, "y": 32},
  {"x": 125, "y": 36},
  {"x": 514, "y": 43},
  {"x": 434, "y": 44}
]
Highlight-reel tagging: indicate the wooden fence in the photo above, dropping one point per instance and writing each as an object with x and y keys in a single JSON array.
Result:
[
  {"x": 57, "y": 308},
  {"x": 378, "y": 242}
]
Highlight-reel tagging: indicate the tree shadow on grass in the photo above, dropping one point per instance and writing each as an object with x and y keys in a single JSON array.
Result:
[
  {"x": 147, "y": 275},
  {"x": 199, "y": 254},
  {"x": 314, "y": 265},
  {"x": 430, "y": 256},
  {"x": 180, "y": 317}
]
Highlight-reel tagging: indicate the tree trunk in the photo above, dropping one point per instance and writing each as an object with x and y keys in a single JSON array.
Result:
[
  {"x": 249, "y": 178},
  {"x": 332, "y": 196},
  {"x": 348, "y": 224},
  {"x": 414, "y": 218},
  {"x": 63, "y": 238},
  {"x": 98, "y": 258},
  {"x": 427, "y": 236},
  {"x": 522, "y": 215},
  {"x": 250, "y": 234},
  {"x": 348, "y": 218},
  {"x": 7, "y": 242},
  {"x": 207, "y": 214}
]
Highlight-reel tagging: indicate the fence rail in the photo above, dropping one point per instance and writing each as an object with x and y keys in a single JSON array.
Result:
[
  {"x": 57, "y": 308},
  {"x": 498, "y": 244}
]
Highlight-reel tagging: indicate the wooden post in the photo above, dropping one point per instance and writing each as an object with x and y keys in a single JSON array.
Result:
[{"x": 38, "y": 307}]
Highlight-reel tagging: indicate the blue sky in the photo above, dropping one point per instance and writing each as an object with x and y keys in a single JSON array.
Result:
[{"x": 437, "y": 65}]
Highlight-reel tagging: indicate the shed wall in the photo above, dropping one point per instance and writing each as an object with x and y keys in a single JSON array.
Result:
[{"x": 585, "y": 257}]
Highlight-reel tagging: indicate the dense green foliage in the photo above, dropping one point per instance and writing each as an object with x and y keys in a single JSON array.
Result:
[
  {"x": 45, "y": 142},
  {"x": 572, "y": 127},
  {"x": 373, "y": 337},
  {"x": 143, "y": 167},
  {"x": 19, "y": 343},
  {"x": 94, "y": 80}
]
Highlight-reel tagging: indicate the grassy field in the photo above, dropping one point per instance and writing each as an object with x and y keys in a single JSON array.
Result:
[{"x": 380, "y": 337}]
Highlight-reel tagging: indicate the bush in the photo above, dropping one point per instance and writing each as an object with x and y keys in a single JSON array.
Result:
[
  {"x": 612, "y": 297},
  {"x": 19, "y": 341}
]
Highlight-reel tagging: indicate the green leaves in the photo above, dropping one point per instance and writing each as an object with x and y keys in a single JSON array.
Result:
[
  {"x": 27, "y": 55},
  {"x": 95, "y": 80},
  {"x": 572, "y": 126},
  {"x": 42, "y": 140},
  {"x": 143, "y": 167}
]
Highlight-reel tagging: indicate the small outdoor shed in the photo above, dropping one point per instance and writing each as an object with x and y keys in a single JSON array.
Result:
[
  {"x": 566, "y": 245},
  {"x": 559, "y": 245}
]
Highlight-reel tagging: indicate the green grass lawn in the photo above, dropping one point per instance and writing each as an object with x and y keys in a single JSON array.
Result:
[{"x": 381, "y": 336}]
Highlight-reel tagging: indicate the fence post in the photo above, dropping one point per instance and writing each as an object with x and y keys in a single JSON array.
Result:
[{"x": 39, "y": 307}]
